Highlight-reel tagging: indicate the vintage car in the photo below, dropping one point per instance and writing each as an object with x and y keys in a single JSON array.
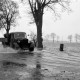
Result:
[{"x": 18, "y": 40}]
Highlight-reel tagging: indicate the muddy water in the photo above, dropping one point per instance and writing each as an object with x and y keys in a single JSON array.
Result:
[
  {"x": 20, "y": 66},
  {"x": 39, "y": 65}
]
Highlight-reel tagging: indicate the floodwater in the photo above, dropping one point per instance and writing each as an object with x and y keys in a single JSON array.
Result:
[
  {"x": 20, "y": 66},
  {"x": 48, "y": 64}
]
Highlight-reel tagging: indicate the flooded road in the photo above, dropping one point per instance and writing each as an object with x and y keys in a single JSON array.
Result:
[
  {"x": 39, "y": 65},
  {"x": 20, "y": 66}
]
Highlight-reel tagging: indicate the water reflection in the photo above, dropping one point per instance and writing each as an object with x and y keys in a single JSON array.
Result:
[
  {"x": 36, "y": 74},
  {"x": 15, "y": 60}
]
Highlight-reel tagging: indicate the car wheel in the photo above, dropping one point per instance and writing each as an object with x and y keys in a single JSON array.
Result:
[{"x": 31, "y": 49}]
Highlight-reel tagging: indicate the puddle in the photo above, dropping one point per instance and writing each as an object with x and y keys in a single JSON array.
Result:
[
  {"x": 9, "y": 63},
  {"x": 36, "y": 73}
]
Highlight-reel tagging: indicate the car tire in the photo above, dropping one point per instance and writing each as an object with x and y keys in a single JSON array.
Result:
[{"x": 31, "y": 49}]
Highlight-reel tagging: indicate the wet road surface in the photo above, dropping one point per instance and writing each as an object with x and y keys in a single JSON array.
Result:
[
  {"x": 39, "y": 65},
  {"x": 20, "y": 66}
]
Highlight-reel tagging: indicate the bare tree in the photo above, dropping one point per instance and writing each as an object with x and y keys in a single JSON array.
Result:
[
  {"x": 53, "y": 35},
  {"x": 70, "y": 38},
  {"x": 47, "y": 37},
  {"x": 33, "y": 37},
  {"x": 37, "y": 10},
  {"x": 77, "y": 37},
  {"x": 9, "y": 12}
]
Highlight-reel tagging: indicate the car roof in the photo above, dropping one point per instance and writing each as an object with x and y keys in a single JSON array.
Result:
[{"x": 16, "y": 32}]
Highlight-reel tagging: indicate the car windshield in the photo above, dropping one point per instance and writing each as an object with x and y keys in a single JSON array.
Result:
[{"x": 20, "y": 35}]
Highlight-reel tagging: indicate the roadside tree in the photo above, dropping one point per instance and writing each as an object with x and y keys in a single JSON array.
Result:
[
  {"x": 53, "y": 35},
  {"x": 38, "y": 7},
  {"x": 70, "y": 38},
  {"x": 77, "y": 37},
  {"x": 8, "y": 13},
  {"x": 47, "y": 36}
]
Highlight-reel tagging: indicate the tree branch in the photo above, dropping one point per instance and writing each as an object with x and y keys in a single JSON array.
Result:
[{"x": 31, "y": 6}]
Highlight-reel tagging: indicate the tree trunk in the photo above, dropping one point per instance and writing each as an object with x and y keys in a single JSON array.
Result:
[
  {"x": 39, "y": 37},
  {"x": 7, "y": 30},
  {"x": 39, "y": 31}
]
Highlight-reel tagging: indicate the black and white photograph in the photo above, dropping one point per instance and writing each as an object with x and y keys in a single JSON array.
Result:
[{"x": 39, "y": 39}]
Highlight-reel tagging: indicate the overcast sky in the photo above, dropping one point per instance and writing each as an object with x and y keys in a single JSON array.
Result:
[{"x": 68, "y": 24}]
